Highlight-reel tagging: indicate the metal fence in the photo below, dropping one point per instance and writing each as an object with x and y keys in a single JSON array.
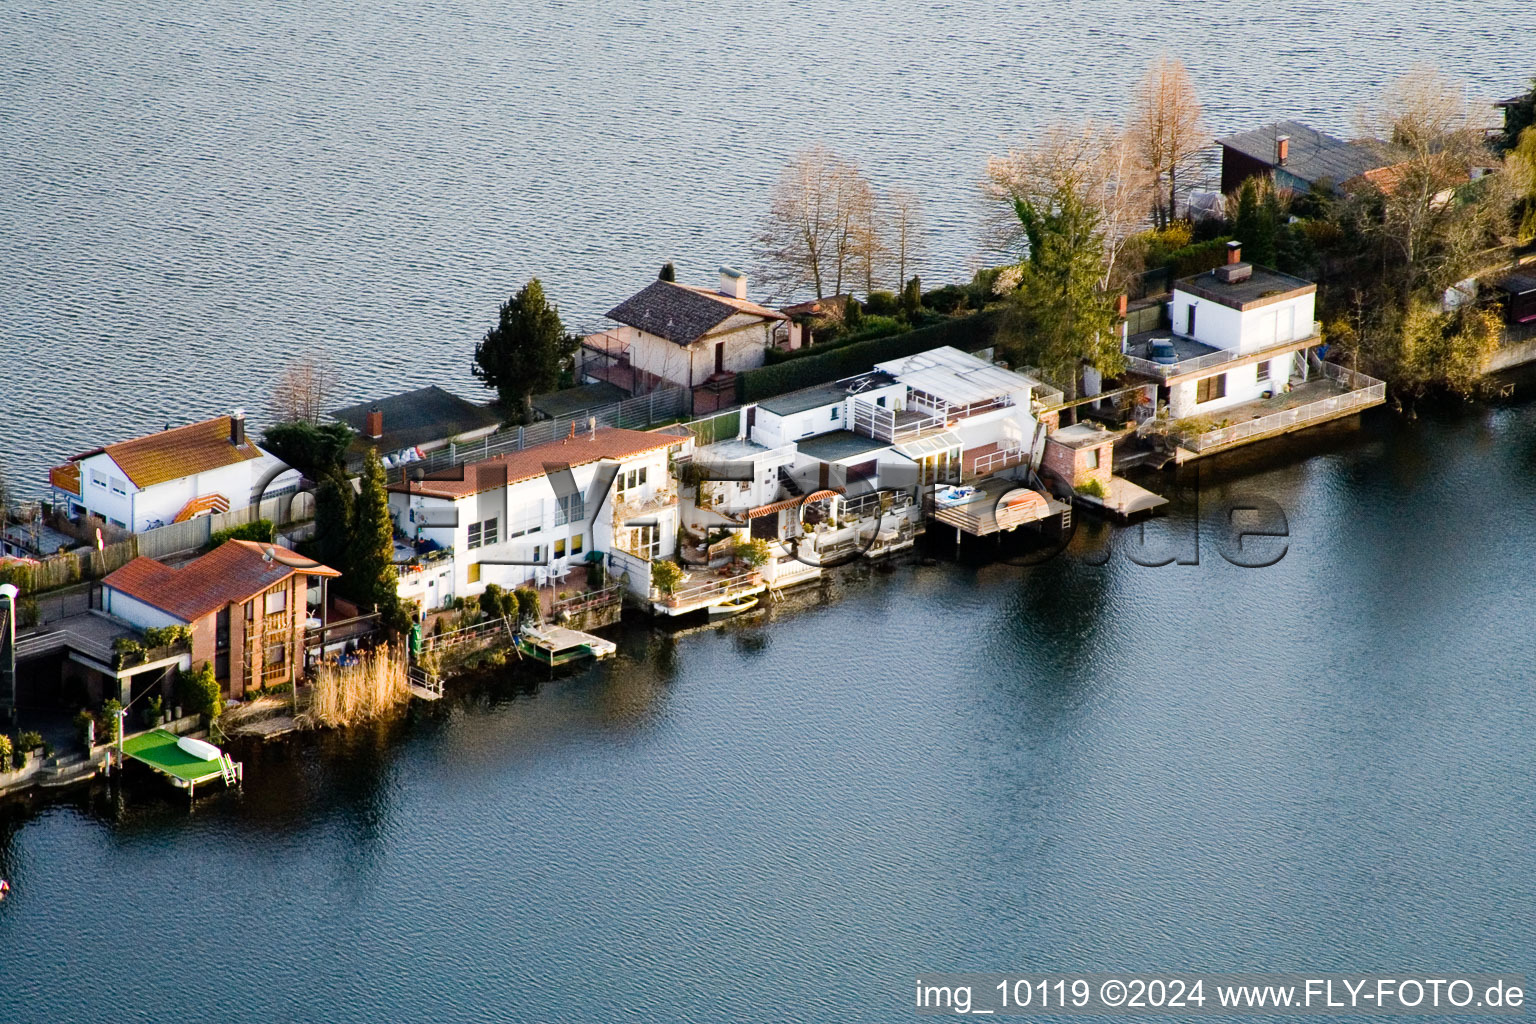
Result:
[
  {"x": 660, "y": 406},
  {"x": 1367, "y": 391}
]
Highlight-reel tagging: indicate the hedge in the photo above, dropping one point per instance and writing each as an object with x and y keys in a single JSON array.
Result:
[
  {"x": 261, "y": 530},
  {"x": 1198, "y": 258},
  {"x": 965, "y": 333}
]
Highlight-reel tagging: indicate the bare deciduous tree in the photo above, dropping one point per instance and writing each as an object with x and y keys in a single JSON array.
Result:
[
  {"x": 822, "y": 226},
  {"x": 1167, "y": 133},
  {"x": 1428, "y": 141},
  {"x": 1093, "y": 161},
  {"x": 301, "y": 391},
  {"x": 903, "y": 229}
]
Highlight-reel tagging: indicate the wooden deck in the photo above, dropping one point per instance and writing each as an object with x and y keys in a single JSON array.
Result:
[
  {"x": 981, "y": 516},
  {"x": 1125, "y": 499}
]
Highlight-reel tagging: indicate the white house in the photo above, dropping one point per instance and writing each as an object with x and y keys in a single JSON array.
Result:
[
  {"x": 531, "y": 516},
  {"x": 673, "y": 334},
  {"x": 172, "y": 476},
  {"x": 1239, "y": 333}
]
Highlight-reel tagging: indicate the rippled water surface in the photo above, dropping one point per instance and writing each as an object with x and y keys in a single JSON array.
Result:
[
  {"x": 191, "y": 196},
  {"x": 1323, "y": 764}
]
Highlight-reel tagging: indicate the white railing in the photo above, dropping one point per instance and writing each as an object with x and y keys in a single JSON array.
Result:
[
  {"x": 1164, "y": 370},
  {"x": 625, "y": 509},
  {"x": 1367, "y": 391},
  {"x": 879, "y": 423},
  {"x": 713, "y": 588},
  {"x": 994, "y": 461}
]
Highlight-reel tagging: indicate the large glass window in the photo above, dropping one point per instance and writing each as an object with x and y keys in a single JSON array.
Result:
[
  {"x": 569, "y": 509},
  {"x": 277, "y": 601},
  {"x": 482, "y": 533}
]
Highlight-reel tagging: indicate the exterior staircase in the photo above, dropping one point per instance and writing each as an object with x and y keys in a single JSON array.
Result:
[
  {"x": 202, "y": 505},
  {"x": 64, "y": 769},
  {"x": 789, "y": 483}
]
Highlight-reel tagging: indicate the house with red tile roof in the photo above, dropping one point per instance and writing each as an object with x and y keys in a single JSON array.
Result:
[
  {"x": 246, "y": 603},
  {"x": 532, "y": 516},
  {"x": 175, "y": 475}
]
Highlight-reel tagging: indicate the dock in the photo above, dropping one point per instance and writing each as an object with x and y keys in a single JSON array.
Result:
[
  {"x": 160, "y": 750},
  {"x": 1124, "y": 500},
  {"x": 995, "y": 505},
  {"x": 556, "y": 645}
]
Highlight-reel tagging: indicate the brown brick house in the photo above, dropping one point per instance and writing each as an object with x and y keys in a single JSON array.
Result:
[{"x": 245, "y": 602}]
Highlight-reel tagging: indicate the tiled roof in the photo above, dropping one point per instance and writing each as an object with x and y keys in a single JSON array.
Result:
[
  {"x": 528, "y": 464},
  {"x": 1312, "y": 155},
  {"x": 683, "y": 314},
  {"x": 235, "y": 571},
  {"x": 65, "y": 478},
  {"x": 178, "y": 452},
  {"x": 423, "y": 416}
]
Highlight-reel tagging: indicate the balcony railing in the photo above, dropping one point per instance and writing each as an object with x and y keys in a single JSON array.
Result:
[
  {"x": 712, "y": 588},
  {"x": 1366, "y": 392},
  {"x": 1163, "y": 371},
  {"x": 881, "y": 423},
  {"x": 625, "y": 509}
]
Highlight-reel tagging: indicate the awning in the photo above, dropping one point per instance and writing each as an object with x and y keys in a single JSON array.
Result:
[
  {"x": 781, "y": 506},
  {"x": 933, "y": 444}
]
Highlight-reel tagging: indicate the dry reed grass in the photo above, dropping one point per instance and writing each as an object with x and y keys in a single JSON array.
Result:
[{"x": 356, "y": 693}]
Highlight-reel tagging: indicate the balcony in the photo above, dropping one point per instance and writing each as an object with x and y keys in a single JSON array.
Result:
[
  {"x": 625, "y": 509},
  {"x": 1191, "y": 355},
  {"x": 893, "y": 425},
  {"x": 1338, "y": 392}
]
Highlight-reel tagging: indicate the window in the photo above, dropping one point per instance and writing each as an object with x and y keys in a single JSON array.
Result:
[
  {"x": 1263, "y": 371},
  {"x": 1211, "y": 388},
  {"x": 474, "y": 572},
  {"x": 538, "y": 552},
  {"x": 1091, "y": 459},
  {"x": 576, "y": 544},
  {"x": 277, "y": 654},
  {"x": 250, "y": 610},
  {"x": 880, "y": 401},
  {"x": 645, "y": 541},
  {"x": 1190, "y": 328},
  {"x": 98, "y": 480},
  {"x": 118, "y": 523},
  {"x": 277, "y": 601},
  {"x": 569, "y": 509},
  {"x": 482, "y": 533},
  {"x": 837, "y": 411},
  {"x": 119, "y": 486},
  {"x": 560, "y": 548}
]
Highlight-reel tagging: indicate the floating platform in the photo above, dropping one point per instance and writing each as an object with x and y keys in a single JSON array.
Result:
[
  {"x": 994, "y": 505},
  {"x": 556, "y": 645},
  {"x": 1124, "y": 500},
  {"x": 162, "y": 751}
]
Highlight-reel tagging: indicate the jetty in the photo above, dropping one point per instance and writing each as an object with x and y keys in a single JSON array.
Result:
[
  {"x": 556, "y": 645},
  {"x": 164, "y": 752}
]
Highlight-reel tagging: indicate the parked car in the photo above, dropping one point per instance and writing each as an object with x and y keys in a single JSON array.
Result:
[{"x": 1162, "y": 351}]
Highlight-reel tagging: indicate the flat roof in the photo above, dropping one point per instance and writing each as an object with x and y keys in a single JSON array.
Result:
[
  {"x": 581, "y": 398},
  {"x": 1260, "y": 289},
  {"x": 1083, "y": 435},
  {"x": 839, "y": 445},
  {"x": 804, "y": 399},
  {"x": 956, "y": 377},
  {"x": 423, "y": 416},
  {"x": 1140, "y": 345}
]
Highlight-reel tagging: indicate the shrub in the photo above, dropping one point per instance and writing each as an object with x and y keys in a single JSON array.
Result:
[
  {"x": 109, "y": 711},
  {"x": 527, "y": 604},
  {"x": 753, "y": 551},
  {"x": 498, "y": 603},
  {"x": 949, "y": 299},
  {"x": 5, "y": 751},
  {"x": 29, "y": 741},
  {"x": 912, "y": 297},
  {"x": 153, "y": 709},
  {"x": 127, "y": 651},
  {"x": 262, "y": 531},
  {"x": 198, "y": 692},
  {"x": 1198, "y": 258},
  {"x": 1093, "y": 488},
  {"x": 882, "y": 304},
  {"x": 84, "y": 720},
  {"x": 167, "y": 636},
  {"x": 819, "y": 366},
  {"x": 665, "y": 576}
]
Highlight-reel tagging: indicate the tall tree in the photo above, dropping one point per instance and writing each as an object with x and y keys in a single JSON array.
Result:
[
  {"x": 372, "y": 568},
  {"x": 526, "y": 352},
  {"x": 668, "y": 272},
  {"x": 316, "y": 450},
  {"x": 1095, "y": 163},
  {"x": 1257, "y": 223},
  {"x": 1520, "y": 175},
  {"x": 903, "y": 231},
  {"x": 333, "y": 524},
  {"x": 1167, "y": 133},
  {"x": 1061, "y": 317},
  {"x": 1518, "y": 116},
  {"x": 818, "y": 214}
]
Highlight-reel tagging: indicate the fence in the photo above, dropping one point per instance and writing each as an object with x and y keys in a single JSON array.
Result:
[
  {"x": 1367, "y": 391},
  {"x": 660, "y": 406},
  {"x": 723, "y": 426}
]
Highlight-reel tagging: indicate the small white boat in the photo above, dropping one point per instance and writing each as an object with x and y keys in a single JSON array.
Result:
[
  {"x": 735, "y": 606},
  {"x": 200, "y": 749}
]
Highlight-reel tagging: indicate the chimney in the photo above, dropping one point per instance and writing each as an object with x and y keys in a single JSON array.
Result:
[
  {"x": 373, "y": 426},
  {"x": 1234, "y": 253},
  {"x": 237, "y": 428},
  {"x": 1122, "y": 305},
  {"x": 1282, "y": 149},
  {"x": 733, "y": 283}
]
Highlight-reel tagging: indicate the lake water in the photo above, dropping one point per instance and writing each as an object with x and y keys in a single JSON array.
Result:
[
  {"x": 1324, "y": 764},
  {"x": 193, "y": 197}
]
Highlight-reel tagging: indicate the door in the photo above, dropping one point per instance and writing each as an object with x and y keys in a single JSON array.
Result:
[{"x": 1189, "y": 328}]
